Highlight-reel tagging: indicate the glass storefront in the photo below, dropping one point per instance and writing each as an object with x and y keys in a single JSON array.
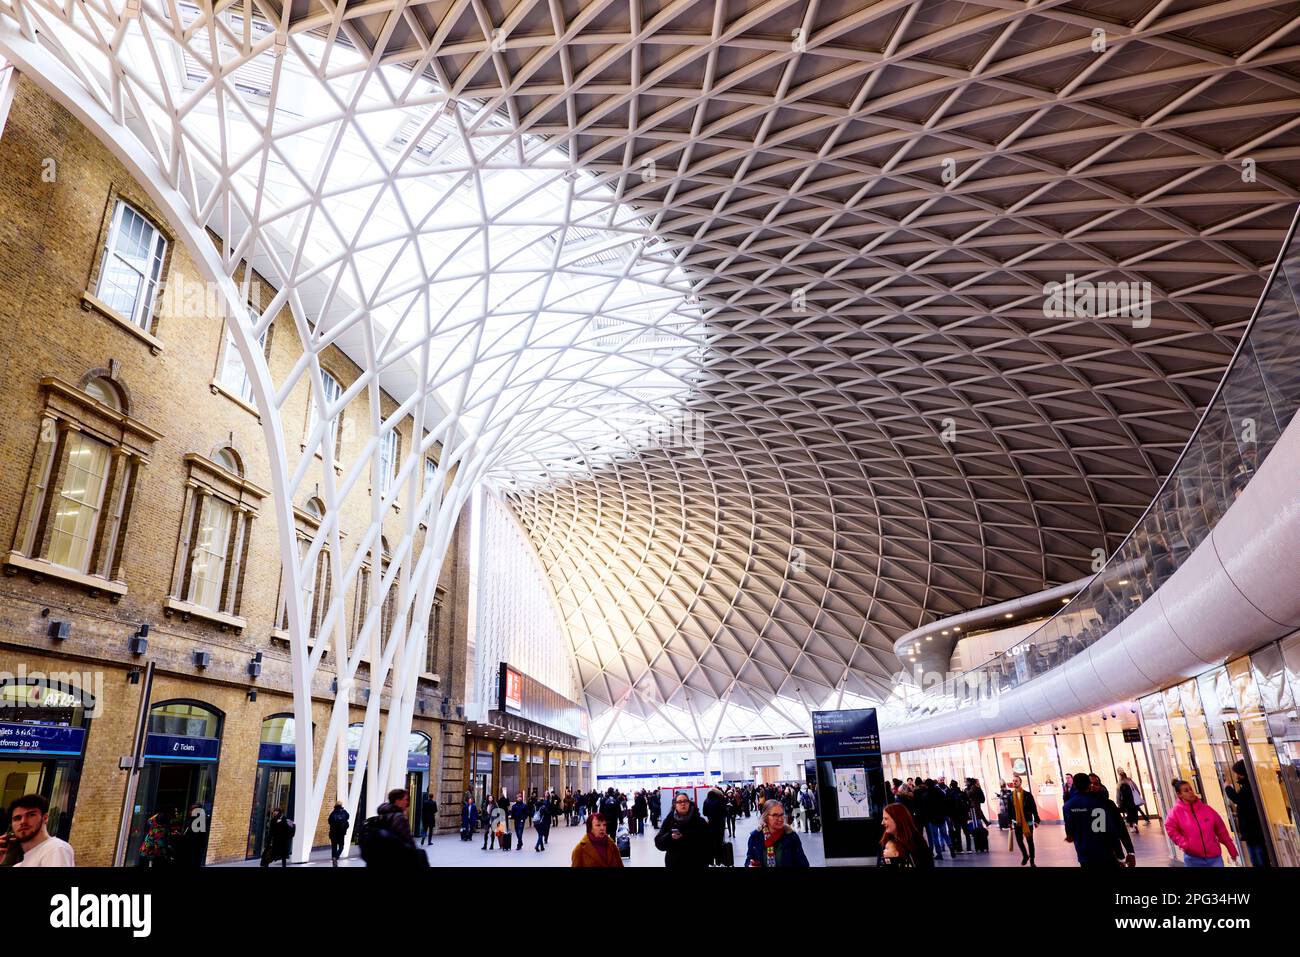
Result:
[
  {"x": 1231, "y": 733},
  {"x": 1043, "y": 756},
  {"x": 43, "y": 730},
  {"x": 179, "y": 777},
  {"x": 273, "y": 784}
]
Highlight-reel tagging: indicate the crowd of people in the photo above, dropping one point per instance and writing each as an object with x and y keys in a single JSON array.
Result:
[
  {"x": 688, "y": 836},
  {"x": 923, "y": 819}
]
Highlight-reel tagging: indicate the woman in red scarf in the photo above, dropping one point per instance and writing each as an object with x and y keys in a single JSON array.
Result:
[{"x": 596, "y": 848}]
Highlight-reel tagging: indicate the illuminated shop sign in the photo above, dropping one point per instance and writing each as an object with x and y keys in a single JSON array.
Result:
[{"x": 41, "y": 739}]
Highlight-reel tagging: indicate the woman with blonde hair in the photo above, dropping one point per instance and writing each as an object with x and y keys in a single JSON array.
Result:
[{"x": 773, "y": 844}]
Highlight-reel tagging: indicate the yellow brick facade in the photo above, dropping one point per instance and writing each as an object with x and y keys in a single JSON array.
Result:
[{"x": 52, "y": 229}]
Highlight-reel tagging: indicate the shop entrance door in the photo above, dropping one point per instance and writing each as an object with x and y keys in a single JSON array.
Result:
[
  {"x": 482, "y": 787},
  {"x": 274, "y": 788},
  {"x": 170, "y": 789},
  {"x": 510, "y": 778}
]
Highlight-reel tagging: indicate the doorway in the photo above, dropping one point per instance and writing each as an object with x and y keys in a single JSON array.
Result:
[{"x": 273, "y": 789}]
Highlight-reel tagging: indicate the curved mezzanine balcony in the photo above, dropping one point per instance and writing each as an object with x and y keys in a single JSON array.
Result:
[{"x": 1208, "y": 570}]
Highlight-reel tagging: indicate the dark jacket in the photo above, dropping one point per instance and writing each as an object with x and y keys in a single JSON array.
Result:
[
  {"x": 519, "y": 812},
  {"x": 429, "y": 812},
  {"x": 613, "y": 813},
  {"x": 715, "y": 810},
  {"x": 339, "y": 822},
  {"x": 279, "y": 839},
  {"x": 789, "y": 850},
  {"x": 1093, "y": 825},
  {"x": 1252, "y": 832},
  {"x": 398, "y": 851},
  {"x": 1028, "y": 804},
  {"x": 693, "y": 849},
  {"x": 468, "y": 817}
]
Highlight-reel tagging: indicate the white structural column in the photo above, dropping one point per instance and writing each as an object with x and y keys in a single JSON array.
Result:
[{"x": 445, "y": 252}]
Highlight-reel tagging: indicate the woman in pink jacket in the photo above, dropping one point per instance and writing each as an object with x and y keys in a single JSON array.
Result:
[{"x": 1197, "y": 829}]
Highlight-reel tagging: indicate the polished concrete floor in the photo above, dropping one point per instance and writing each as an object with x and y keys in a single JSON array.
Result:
[{"x": 448, "y": 850}]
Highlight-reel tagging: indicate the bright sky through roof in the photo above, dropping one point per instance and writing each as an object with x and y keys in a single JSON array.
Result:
[{"x": 543, "y": 298}]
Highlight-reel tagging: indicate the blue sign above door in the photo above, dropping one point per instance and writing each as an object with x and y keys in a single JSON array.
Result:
[
  {"x": 41, "y": 740},
  {"x": 174, "y": 747},
  {"x": 275, "y": 753}
]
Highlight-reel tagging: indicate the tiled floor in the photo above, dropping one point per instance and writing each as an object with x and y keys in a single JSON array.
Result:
[{"x": 449, "y": 851}]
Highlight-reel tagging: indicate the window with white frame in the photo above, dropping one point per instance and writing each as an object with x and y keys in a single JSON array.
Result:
[
  {"x": 331, "y": 392},
  {"x": 430, "y": 475},
  {"x": 81, "y": 488},
  {"x": 218, "y": 513},
  {"x": 211, "y": 542},
  {"x": 431, "y": 641},
  {"x": 388, "y": 461},
  {"x": 132, "y": 267},
  {"x": 233, "y": 376},
  {"x": 77, "y": 502}
]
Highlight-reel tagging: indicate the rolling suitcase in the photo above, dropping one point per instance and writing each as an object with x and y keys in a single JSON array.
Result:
[
  {"x": 979, "y": 833},
  {"x": 816, "y": 824}
]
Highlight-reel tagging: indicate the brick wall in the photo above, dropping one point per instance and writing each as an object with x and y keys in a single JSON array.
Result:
[{"x": 51, "y": 235}]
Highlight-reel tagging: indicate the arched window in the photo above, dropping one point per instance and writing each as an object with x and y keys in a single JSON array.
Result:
[
  {"x": 278, "y": 729},
  {"x": 105, "y": 391},
  {"x": 228, "y": 459},
  {"x": 80, "y": 488},
  {"x": 216, "y": 527},
  {"x": 190, "y": 719}
]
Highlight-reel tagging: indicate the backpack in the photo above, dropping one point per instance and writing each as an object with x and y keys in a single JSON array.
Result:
[
  {"x": 379, "y": 845},
  {"x": 537, "y": 816}
]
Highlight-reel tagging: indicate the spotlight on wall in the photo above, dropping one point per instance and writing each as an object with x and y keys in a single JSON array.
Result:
[
  {"x": 334, "y": 686},
  {"x": 202, "y": 659},
  {"x": 138, "y": 644},
  {"x": 133, "y": 677},
  {"x": 252, "y": 694},
  {"x": 60, "y": 630},
  {"x": 143, "y": 630}
]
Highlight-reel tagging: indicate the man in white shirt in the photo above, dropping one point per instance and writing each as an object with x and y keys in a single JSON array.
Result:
[{"x": 28, "y": 816}]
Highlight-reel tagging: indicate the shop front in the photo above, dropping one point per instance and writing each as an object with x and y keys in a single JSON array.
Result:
[
  {"x": 511, "y": 779},
  {"x": 1044, "y": 757},
  {"x": 417, "y": 777},
  {"x": 179, "y": 777},
  {"x": 1231, "y": 733},
  {"x": 480, "y": 785},
  {"x": 274, "y": 783},
  {"x": 43, "y": 730}
]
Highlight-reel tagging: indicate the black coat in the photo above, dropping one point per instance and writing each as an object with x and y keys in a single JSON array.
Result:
[
  {"x": 429, "y": 812},
  {"x": 1252, "y": 832},
  {"x": 339, "y": 823},
  {"x": 715, "y": 809},
  {"x": 693, "y": 849}
]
